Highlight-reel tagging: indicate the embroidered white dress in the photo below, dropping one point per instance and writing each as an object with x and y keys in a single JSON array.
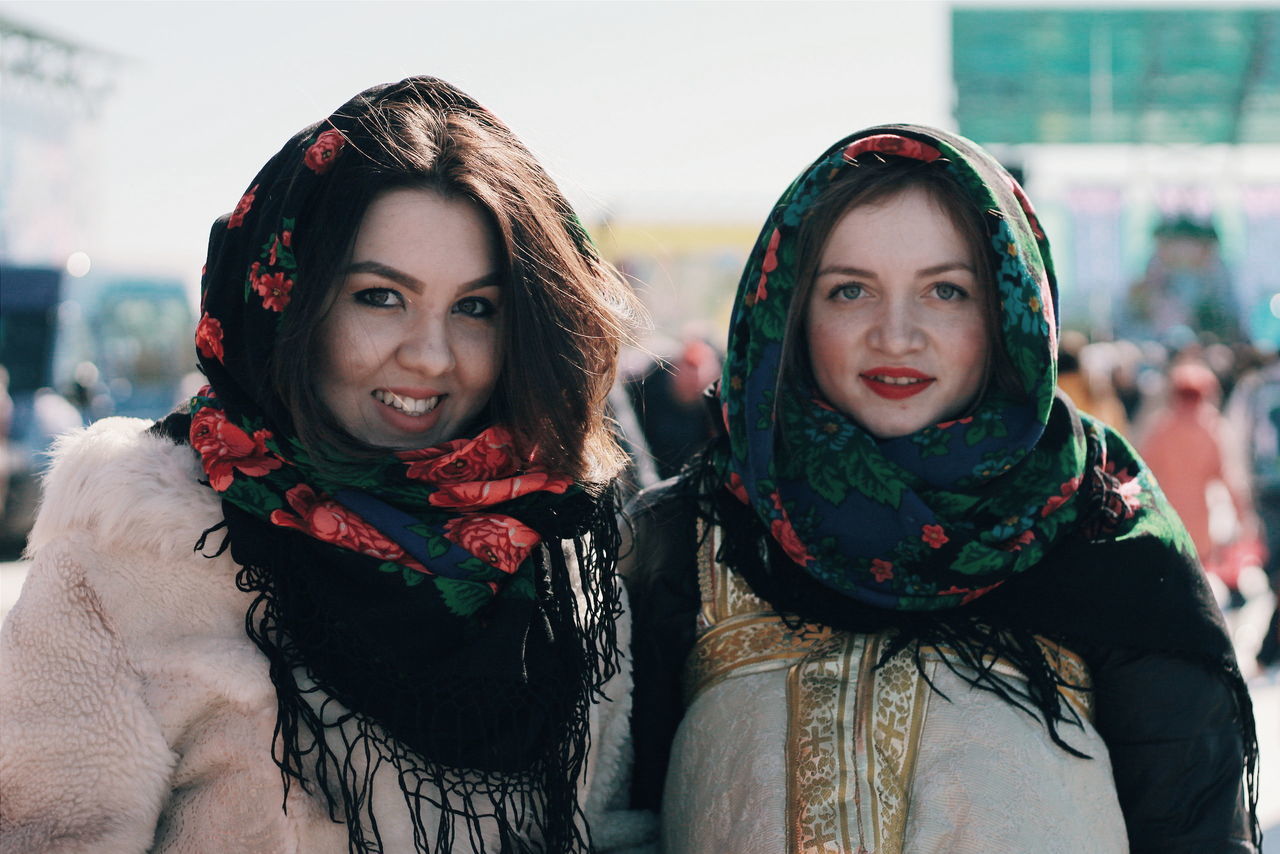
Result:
[{"x": 792, "y": 741}]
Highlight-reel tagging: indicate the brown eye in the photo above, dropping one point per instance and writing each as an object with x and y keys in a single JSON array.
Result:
[
  {"x": 475, "y": 307},
  {"x": 379, "y": 297}
]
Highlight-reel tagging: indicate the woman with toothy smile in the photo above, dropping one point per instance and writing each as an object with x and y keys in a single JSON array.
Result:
[
  {"x": 358, "y": 594},
  {"x": 413, "y": 349}
]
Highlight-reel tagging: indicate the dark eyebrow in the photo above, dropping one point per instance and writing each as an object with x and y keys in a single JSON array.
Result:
[
  {"x": 945, "y": 267},
  {"x": 402, "y": 278}
]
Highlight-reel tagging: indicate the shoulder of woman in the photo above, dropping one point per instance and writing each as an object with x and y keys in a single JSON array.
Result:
[
  {"x": 664, "y": 501},
  {"x": 120, "y": 482},
  {"x": 660, "y": 536}
]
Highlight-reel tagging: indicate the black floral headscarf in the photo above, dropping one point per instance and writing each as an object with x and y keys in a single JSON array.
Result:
[{"x": 417, "y": 608}]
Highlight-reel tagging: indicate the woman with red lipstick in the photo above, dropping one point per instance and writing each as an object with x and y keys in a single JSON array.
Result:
[
  {"x": 401, "y": 606},
  {"x": 911, "y": 599}
]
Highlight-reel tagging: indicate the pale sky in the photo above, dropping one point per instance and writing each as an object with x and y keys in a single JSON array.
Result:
[{"x": 648, "y": 110}]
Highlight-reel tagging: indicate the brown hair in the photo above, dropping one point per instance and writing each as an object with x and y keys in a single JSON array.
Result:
[
  {"x": 565, "y": 312},
  {"x": 870, "y": 180}
]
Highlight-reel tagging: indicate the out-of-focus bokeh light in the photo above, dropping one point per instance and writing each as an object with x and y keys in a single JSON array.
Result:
[
  {"x": 78, "y": 264},
  {"x": 1275, "y": 305}
]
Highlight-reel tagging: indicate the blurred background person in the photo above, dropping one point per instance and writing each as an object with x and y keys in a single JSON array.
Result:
[
  {"x": 1191, "y": 448},
  {"x": 667, "y": 396},
  {"x": 1085, "y": 373},
  {"x": 1254, "y": 412}
]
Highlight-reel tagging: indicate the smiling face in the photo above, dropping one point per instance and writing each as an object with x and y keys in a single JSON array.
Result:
[
  {"x": 412, "y": 344},
  {"x": 896, "y": 320}
]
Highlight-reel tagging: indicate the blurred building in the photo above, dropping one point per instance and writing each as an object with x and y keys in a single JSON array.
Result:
[
  {"x": 1127, "y": 122},
  {"x": 684, "y": 272},
  {"x": 51, "y": 89}
]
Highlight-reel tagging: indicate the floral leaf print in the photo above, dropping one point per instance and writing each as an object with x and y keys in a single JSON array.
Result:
[
  {"x": 986, "y": 424},
  {"x": 932, "y": 442},
  {"x": 950, "y": 504},
  {"x": 462, "y": 597},
  {"x": 437, "y": 546},
  {"x": 250, "y": 492},
  {"x": 521, "y": 587},
  {"x": 975, "y": 558},
  {"x": 995, "y": 463},
  {"x": 875, "y": 477},
  {"x": 278, "y": 251}
]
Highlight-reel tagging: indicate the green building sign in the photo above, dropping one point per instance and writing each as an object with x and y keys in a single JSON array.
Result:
[{"x": 1168, "y": 75}]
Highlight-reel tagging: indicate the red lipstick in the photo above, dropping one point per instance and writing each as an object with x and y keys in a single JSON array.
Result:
[{"x": 874, "y": 379}]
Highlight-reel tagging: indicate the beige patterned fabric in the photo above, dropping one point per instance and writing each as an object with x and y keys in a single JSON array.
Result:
[{"x": 794, "y": 741}]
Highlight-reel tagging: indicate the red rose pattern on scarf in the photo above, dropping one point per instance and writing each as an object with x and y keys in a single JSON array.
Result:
[
  {"x": 225, "y": 449},
  {"x": 489, "y": 455},
  {"x": 499, "y": 541},
  {"x": 209, "y": 337},
  {"x": 320, "y": 156},
  {"x": 242, "y": 208},
  {"x": 274, "y": 288},
  {"x": 330, "y": 522}
]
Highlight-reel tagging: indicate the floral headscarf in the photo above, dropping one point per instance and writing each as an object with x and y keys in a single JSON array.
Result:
[
  {"x": 427, "y": 592},
  {"x": 1023, "y": 519},
  {"x": 950, "y": 512}
]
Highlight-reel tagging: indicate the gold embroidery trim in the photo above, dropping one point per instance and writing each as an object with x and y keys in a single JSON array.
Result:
[
  {"x": 739, "y": 633},
  {"x": 743, "y": 645},
  {"x": 853, "y": 731}
]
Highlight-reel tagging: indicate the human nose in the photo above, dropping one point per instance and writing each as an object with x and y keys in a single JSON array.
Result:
[
  {"x": 426, "y": 349},
  {"x": 897, "y": 328}
]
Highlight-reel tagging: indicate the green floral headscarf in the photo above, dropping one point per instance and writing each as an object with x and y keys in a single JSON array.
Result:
[
  {"x": 940, "y": 517},
  {"x": 1020, "y": 519}
]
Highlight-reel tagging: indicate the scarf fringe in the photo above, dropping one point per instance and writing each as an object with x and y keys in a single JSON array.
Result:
[{"x": 337, "y": 753}]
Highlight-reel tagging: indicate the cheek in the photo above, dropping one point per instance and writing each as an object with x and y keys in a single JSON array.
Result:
[
  {"x": 349, "y": 351},
  {"x": 480, "y": 357},
  {"x": 830, "y": 347},
  {"x": 971, "y": 344},
  {"x": 831, "y": 340}
]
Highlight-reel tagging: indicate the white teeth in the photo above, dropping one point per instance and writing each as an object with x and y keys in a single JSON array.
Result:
[
  {"x": 899, "y": 380},
  {"x": 407, "y": 405}
]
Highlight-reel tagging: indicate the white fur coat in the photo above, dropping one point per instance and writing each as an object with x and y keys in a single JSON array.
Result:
[{"x": 135, "y": 713}]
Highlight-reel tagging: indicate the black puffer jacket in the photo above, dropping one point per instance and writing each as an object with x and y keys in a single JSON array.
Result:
[{"x": 1170, "y": 724}]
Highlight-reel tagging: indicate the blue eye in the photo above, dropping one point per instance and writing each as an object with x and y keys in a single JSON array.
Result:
[
  {"x": 379, "y": 297},
  {"x": 475, "y": 307},
  {"x": 948, "y": 291},
  {"x": 849, "y": 292}
]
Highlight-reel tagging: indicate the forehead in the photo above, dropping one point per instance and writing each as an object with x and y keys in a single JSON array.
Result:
[
  {"x": 909, "y": 223},
  {"x": 426, "y": 232}
]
